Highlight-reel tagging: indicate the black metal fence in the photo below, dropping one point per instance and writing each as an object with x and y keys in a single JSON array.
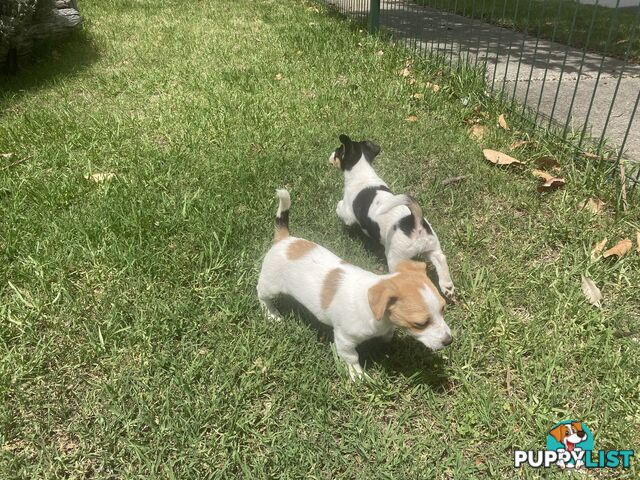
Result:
[{"x": 572, "y": 67}]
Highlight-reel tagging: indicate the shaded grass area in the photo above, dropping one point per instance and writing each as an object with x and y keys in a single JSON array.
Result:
[
  {"x": 131, "y": 341},
  {"x": 609, "y": 31}
]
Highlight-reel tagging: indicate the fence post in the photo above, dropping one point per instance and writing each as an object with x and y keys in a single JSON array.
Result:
[{"x": 374, "y": 16}]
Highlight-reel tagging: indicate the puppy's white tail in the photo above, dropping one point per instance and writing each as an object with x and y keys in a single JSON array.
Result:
[
  {"x": 402, "y": 199},
  {"x": 282, "y": 216}
]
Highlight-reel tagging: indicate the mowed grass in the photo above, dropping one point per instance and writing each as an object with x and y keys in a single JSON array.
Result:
[
  {"x": 131, "y": 340},
  {"x": 604, "y": 30}
]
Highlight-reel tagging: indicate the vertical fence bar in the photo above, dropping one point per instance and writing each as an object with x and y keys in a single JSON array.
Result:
[
  {"x": 374, "y": 16},
  {"x": 564, "y": 64},
  {"x": 584, "y": 54},
  {"x": 595, "y": 88},
  {"x": 626, "y": 60}
]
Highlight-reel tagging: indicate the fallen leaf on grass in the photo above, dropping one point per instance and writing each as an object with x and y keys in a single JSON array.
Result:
[
  {"x": 406, "y": 71},
  {"x": 6, "y": 155},
  {"x": 450, "y": 180},
  {"x": 591, "y": 291},
  {"x": 499, "y": 158},
  {"x": 411, "y": 118},
  {"x": 619, "y": 250},
  {"x": 507, "y": 382},
  {"x": 433, "y": 86},
  {"x": 590, "y": 155},
  {"x": 593, "y": 204},
  {"x": 519, "y": 143},
  {"x": 478, "y": 131},
  {"x": 638, "y": 241},
  {"x": 380, "y": 53},
  {"x": 279, "y": 77},
  {"x": 547, "y": 162},
  {"x": 100, "y": 177},
  {"x": 502, "y": 122},
  {"x": 595, "y": 251},
  {"x": 418, "y": 96},
  {"x": 542, "y": 175},
  {"x": 550, "y": 182}
]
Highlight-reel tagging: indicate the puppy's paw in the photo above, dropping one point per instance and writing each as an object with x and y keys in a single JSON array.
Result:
[
  {"x": 449, "y": 291},
  {"x": 356, "y": 374}
]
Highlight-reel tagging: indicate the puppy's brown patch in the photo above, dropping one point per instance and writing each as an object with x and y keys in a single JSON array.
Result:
[
  {"x": 401, "y": 296},
  {"x": 330, "y": 287},
  {"x": 280, "y": 234},
  {"x": 299, "y": 248}
]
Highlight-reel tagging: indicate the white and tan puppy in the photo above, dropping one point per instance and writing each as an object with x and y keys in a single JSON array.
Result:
[
  {"x": 358, "y": 304},
  {"x": 396, "y": 221}
]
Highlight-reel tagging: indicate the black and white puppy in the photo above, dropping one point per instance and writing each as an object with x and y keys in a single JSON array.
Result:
[{"x": 396, "y": 221}]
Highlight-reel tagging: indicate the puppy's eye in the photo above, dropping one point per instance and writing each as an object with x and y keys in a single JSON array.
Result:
[{"x": 421, "y": 326}]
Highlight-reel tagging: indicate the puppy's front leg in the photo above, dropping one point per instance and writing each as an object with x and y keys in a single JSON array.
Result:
[
  {"x": 345, "y": 213},
  {"x": 437, "y": 258},
  {"x": 347, "y": 352}
]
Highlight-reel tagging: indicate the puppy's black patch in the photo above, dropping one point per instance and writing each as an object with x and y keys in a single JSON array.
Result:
[
  {"x": 407, "y": 224},
  {"x": 350, "y": 153},
  {"x": 361, "y": 206},
  {"x": 283, "y": 220}
]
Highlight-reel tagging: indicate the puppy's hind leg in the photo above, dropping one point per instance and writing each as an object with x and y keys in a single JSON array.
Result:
[
  {"x": 265, "y": 297},
  {"x": 439, "y": 261}
]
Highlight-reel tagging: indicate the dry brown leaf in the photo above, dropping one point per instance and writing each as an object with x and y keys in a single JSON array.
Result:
[
  {"x": 595, "y": 251},
  {"x": 619, "y": 250},
  {"x": 547, "y": 162},
  {"x": 478, "y": 131},
  {"x": 499, "y": 158},
  {"x": 405, "y": 72},
  {"x": 591, "y": 291},
  {"x": 519, "y": 143},
  {"x": 418, "y": 96},
  {"x": 279, "y": 77},
  {"x": 100, "y": 177},
  {"x": 411, "y": 118},
  {"x": 380, "y": 53},
  {"x": 433, "y": 86},
  {"x": 450, "y": 180},
  {"x": 502, "y": 122},
  {"x": 552, "y": 184},
  {"x": 590, "y": 155},
  {"x": 638, "y": 241},
  {"x": 6, "y": 155},
  {"x": 594, "y": 205},
  {"x": 542, "y": 175}
]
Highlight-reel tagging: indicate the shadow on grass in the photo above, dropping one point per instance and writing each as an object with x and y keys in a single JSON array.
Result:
[
  {"x": 402, "y": 355},
  {"x": 369, "y": 244},
  {"x": 49, "y": 63}
]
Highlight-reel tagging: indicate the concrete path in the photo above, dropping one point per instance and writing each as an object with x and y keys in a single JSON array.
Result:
[{"x": 541, "y": 73}]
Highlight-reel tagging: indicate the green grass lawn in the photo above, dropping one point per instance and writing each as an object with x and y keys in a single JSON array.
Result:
[
  {"x": 599, "y": 29},
  {"x": 131, "y": 340}
]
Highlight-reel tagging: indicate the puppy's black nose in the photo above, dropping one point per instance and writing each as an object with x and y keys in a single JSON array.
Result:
[{"x": 447, "y": 340}]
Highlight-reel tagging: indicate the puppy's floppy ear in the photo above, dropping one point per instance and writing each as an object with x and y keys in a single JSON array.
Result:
[
  {"x": 381, "y": 296},
  {"x": 409, "y": 266},
  {"x": 373, "y": 148},
  {"x": 559, "y": 433},
  {"x": 345, "y": 140}
]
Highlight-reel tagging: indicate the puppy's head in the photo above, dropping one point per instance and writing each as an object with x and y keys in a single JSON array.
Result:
[
  {"x": 412, "y": 302},
  {"x": 349, "y": 153}
]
